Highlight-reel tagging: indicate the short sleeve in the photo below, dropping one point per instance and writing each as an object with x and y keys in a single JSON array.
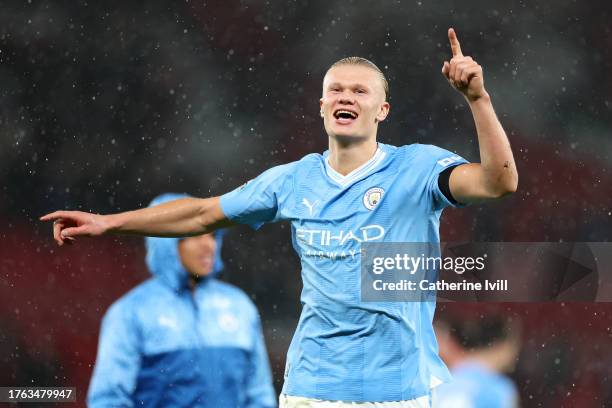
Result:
[
  {"x": 259, "y": 200},
  {"x": 439, "y": 160}
]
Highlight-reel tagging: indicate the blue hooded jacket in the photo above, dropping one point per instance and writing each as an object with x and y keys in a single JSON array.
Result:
[
  {"x": 162, "y": 345},
  {"x": 476, "y": 386}
]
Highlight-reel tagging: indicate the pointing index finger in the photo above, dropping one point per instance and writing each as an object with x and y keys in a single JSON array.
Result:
[
  {"x": 51, "y": 216},
  {"x": 56, "y": 215},
  {"x": 454, "y": 43}
]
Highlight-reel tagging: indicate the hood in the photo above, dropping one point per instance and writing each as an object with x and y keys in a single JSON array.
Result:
[{"x": 163, "y": 257}]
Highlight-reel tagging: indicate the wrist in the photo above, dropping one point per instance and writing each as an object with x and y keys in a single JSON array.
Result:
[
  {"x": 481, "y": 98},
  {"x": 113, "y": 222}
]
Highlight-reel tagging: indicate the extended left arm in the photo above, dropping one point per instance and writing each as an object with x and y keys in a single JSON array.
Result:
[{"x": 496, "y": 174}]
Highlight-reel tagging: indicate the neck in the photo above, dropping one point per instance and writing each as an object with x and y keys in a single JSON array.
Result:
[
  {"x": 499, "y": 359},
  {"x": 194, "y": 281},
  {"x": 346, "y": 156}
]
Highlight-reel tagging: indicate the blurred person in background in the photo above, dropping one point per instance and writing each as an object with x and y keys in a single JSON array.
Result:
[
  {"x": 182, "y": 338},
  {"x": 479, "y": 352},
  {"x": 347, "y": 352}
]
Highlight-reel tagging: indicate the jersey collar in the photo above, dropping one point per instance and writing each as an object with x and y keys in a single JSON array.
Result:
[{"x": 356, "y": 174}]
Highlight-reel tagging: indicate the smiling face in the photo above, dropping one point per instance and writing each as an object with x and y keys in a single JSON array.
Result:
[
  {"x": 353, "y": 101},
  {"x": 198, "y": 254}
]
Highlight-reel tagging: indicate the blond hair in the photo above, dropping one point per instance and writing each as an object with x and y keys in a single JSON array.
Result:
[{"x": 366, "y": 63}]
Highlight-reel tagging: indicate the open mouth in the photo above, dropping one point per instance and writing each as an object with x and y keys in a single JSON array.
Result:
[
  {"x": 345, "y": 116},
  {"x": 206, "y": 261}
]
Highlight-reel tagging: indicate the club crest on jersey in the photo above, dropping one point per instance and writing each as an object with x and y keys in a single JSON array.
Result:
[
  {"x": 228, "y": 322},
  {"x": 372, "y": 197}
]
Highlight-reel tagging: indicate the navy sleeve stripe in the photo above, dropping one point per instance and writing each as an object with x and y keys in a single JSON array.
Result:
[{"x": 444, "y": 185}]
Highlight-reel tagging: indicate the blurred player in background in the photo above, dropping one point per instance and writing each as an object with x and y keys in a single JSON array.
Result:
[
  {"x": 346, "y": 351},
  {"x": 478, "y": 352},
  {"x": 182, "y": 338}
]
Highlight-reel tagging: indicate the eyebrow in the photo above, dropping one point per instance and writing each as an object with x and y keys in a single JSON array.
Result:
[{"x": 356, "y": 85}]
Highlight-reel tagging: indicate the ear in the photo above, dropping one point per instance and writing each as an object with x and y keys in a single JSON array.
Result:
[
  {"x": 383, "y": 112},
  {"x": 321, "y": 106}
]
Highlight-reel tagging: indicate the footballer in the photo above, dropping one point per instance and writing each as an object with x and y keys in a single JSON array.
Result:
[{"x": 346, "y": 351}]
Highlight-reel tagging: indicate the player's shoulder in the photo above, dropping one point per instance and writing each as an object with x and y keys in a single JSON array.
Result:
[
  {"x": 136, "y": 298},
  {"x": 408, "y": 150},
  {"x": 495, "y": 392},
  {"x": 298, "y": 168},
  {"x": 311, "y": 158},
  {"x": 410, "y": 155},
  {"x": 422, "y": 149},
  {"x": 504, "y": 387},
  {"x": 486, "y": 385},
  {"x": 428, "y": 154},
  {"x": 309, "y": 161},
  {"x": 306, "y": 162}
]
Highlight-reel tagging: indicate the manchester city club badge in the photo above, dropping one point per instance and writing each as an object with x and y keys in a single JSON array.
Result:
[{"x": 372, "y": 197}]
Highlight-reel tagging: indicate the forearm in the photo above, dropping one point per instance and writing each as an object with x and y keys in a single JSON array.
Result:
[
  {"x": 182, "y": 217},
  {"x": 499, "y": 174}
]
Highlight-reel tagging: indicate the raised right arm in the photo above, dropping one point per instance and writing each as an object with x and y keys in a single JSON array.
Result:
[{"x": 178, "y": 218}]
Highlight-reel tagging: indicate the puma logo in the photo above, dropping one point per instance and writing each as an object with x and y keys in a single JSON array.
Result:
[{"x": 310, "y": 206}]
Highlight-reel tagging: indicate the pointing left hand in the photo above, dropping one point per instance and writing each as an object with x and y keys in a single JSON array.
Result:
[{"x": 462, "y": 72}]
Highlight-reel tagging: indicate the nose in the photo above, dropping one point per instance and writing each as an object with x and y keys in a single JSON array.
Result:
[
  {"x": 346, "y": 97},
  {"x": 208, "y": 242}
]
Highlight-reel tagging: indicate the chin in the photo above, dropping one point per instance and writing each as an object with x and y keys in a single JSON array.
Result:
[
  {"x": 202, "y": 273},
  {"x": 346, "y": 136}
]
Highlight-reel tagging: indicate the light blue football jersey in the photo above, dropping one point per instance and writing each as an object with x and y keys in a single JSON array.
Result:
[
  {"x": 475, "y": 386},
  {"x": 343, "y": 348}
]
